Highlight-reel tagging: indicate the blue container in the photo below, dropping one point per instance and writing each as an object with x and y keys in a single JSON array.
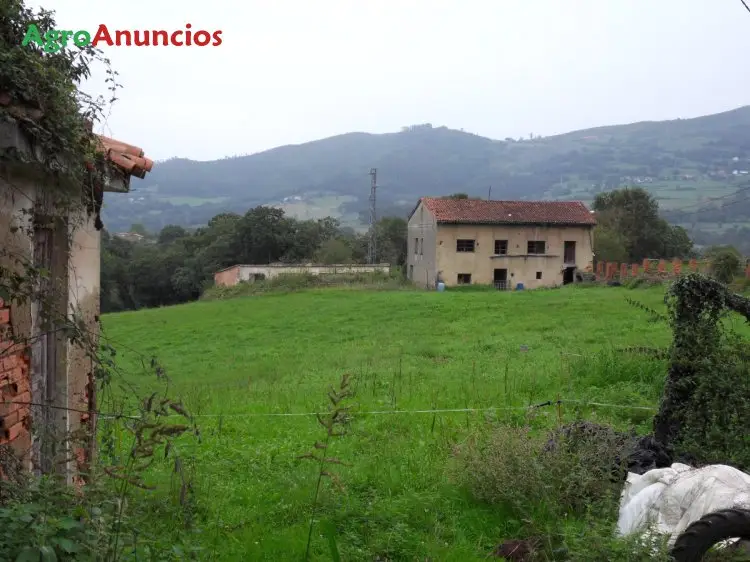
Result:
[
  {"x": 519, "y": 287},
  {"x": 441, "y": 287}
]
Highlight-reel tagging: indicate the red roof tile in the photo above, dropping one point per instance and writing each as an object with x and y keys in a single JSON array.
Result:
[
  {"x": 480, "y": 211},
  {"x": 130, "y": 159}
]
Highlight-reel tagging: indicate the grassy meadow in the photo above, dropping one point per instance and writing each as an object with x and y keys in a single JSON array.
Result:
[{"x": 235, "y": 361}]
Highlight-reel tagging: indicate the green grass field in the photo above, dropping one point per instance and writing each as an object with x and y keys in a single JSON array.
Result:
[{"x": 234, "y": 361}]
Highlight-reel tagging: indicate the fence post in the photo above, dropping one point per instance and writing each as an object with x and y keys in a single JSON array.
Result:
[
  {"x": 634, "y": 270},
  {"x": 646, "y": 264},
  {"x": 677, "y": 267},
  {"x": 693, "y": 265}
]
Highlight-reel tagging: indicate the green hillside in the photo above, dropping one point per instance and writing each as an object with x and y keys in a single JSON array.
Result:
[
  {"x": 234, "y": 361},
  {"x": 684, "y": 162}
]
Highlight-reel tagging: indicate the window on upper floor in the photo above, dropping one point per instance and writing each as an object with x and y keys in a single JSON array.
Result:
[
  {"x": 501, "y": 247},
  {"x": 465, "y": 245},
  {"x": 536, "y": 247}
]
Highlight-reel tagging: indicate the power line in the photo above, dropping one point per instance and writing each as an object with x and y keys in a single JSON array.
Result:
[
  {"x": 372, "y": 245},
  {"x": 745, "y": 4}
]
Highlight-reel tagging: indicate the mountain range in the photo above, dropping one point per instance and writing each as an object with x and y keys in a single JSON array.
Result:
[{"x": 690, "y": 165}]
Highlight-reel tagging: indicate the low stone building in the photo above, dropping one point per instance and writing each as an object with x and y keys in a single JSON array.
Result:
[
  {"x": 47, "y": 386},
  {"x": 248, "y": 273}
]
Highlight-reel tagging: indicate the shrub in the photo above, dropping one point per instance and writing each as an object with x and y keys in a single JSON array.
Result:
[
  {"x": 566, "y": 494},
  {"x": 290, "y": 282},
  {"x": 725, "y": 264}
]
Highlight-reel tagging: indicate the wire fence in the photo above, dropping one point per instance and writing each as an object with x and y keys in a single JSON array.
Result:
[{"x": 582, "y": 403}]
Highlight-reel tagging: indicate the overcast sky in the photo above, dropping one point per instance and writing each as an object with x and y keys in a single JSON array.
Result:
[{"x": 292, "y": 71}]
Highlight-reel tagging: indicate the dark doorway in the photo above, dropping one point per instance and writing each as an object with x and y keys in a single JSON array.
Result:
[
  {"x": 569, "y": 275},
  {"x": 500, "y": 279},
  {"x": 569, "y": 254}
]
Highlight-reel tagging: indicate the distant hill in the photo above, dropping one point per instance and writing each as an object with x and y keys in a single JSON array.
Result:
[{"x": 686, "y": 163}]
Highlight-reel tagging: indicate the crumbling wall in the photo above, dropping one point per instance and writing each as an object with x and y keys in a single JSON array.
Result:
[
  {"x": 83, "y": 299},
  {"x": 17, "y": 390}
]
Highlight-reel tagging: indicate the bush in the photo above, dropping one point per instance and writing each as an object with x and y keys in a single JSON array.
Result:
[
  {"x": 290, "y": 282},
  {"x": 566, "y": 494},
  {"x": 726, "y": 263}
]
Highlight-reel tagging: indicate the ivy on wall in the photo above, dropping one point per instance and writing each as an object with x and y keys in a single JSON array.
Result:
[{"x": 40, "y": 91}]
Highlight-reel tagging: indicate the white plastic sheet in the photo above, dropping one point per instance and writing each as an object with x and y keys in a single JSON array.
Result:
[{"x": 668, "y": 500}]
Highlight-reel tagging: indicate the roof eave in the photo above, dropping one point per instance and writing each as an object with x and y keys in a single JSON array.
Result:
[{"x": 515, "y": 223}]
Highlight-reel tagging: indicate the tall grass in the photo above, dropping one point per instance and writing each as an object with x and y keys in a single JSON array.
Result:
[{"x": 235, "y": 361}]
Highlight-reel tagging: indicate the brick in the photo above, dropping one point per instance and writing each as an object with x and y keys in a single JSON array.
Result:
[
  {"x": 12, "y": 418},
  {"x": 15, "y": 430},
  {"x": 22, "y": 399},
  {"x": 9, "y": 362},
  {"x": 4, "y": 315},
  {"x": 634, "y": 270}
]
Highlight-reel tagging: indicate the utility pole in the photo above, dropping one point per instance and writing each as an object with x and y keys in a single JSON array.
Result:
[
  {"x": 372, "y": 246},
  {"x": 489, "y": 193}
]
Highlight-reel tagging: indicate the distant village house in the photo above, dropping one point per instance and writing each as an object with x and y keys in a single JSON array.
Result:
[{"x": 510, "y": 244}]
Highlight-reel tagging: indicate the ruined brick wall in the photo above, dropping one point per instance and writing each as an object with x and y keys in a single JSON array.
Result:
[{"x": 15, "y": 389}]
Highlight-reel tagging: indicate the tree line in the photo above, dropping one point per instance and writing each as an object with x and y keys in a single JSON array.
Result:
[{"x": 176, "y": 265}]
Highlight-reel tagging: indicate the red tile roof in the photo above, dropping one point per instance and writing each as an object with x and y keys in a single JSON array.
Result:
[
  {"x": 480, "y": 211},
  {"x": 130, "y": 159}
]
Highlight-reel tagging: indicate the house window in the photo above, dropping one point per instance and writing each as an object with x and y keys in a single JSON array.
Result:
[
  {"x": 536, "y": 247},
  {"x": 464, "y": 278},
  {"x": 416, "y": 246},
  {"x": 538, "y": 274},
  {"x": 501, "y": 247},
  {"x": 421, "y": 246},
  {"x": 464, "y": 245},
  {"x": 411, "y": 272}
]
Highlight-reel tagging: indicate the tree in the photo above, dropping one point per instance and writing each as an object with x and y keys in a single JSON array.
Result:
[
  {"x": 609, "y": 245},
  {"x": 138, "y": 228},
  {"x": 726, "y": 263},
  {"x": 334, "y": 251},
  {"x": 170, "y": 233},
  {"x": 392, "y": 237},
  {"x": 633, "y": 214}
]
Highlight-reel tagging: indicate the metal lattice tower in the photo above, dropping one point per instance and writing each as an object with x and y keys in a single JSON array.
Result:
[{"x": 372, "y": 245}]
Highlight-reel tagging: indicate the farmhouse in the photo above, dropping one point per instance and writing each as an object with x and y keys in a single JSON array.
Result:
[
  {"x": 511, "y": 244},
  {"x": 47, "y": 377}
]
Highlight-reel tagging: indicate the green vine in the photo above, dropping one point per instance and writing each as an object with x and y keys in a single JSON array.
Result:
[
  {"x": 704, "y": 415},
  {"x": 39, "y": 90}
]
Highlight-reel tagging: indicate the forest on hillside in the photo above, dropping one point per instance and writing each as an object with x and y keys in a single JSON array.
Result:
[{"x": 684, "y": 163}]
